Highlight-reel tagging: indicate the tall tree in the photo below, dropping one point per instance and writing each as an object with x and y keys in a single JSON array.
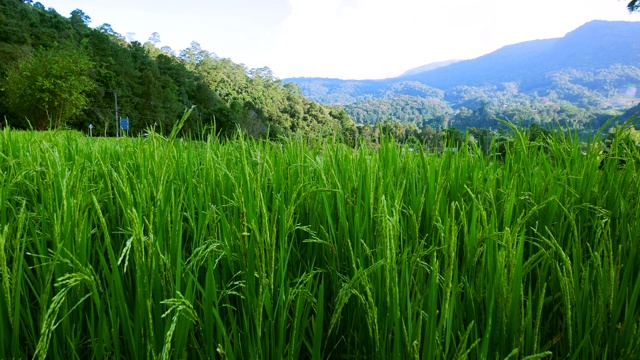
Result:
[
  {"x": 155, "y": 38},
  {"x": 49, "y": 86},
  {"x": 195, "y": 54},
  {"x": 78, "y": 17}
]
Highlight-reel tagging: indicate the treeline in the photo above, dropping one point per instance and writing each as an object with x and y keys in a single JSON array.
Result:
[
  {"x": 578, "y": 98},
  {"x": 430, "y": 138},
  {"x": 600, "y": 88},
  {"x": 467, "y": 106},
  {"x": 495, "y": 141},
  {"x": 59, "y": 72}
]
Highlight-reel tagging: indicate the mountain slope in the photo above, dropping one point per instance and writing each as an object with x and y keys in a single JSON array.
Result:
[
  {"x": 511, "y": 63},
  {"x": 428, "y": 67},
  {"x": 595, "y": 45},
  {"x": 592, "y": 47}
]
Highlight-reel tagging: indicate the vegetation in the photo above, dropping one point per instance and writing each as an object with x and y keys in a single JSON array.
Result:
[
  {"x": 572, "y": 102},
  {"x": 408, "y": 109},
  {"x": 567, "y": 80},
  {"x": 57, "y": 71},
  {"x": 60, "y": 72},
  {"x": 390, "y": 239},
  {"x": 49, "y": 85},
  {"x": 159, "y": 248}
]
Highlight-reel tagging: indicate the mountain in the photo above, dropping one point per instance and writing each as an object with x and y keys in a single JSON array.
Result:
[
  {"x": 428, "y": 67},
  {"x": 593, "y": 47},
  {"x": 516, "y": 62},
  {"x": 336, "y": 91}
]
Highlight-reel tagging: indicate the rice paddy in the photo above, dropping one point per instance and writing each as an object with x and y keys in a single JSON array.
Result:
[{"x": 160, "y": 249}]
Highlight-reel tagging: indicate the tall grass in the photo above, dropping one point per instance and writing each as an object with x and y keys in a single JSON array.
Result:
[{"x": 160, "y": 248}]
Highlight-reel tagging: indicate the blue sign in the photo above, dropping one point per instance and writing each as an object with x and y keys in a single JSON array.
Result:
[{"x": 124, "y": 123}]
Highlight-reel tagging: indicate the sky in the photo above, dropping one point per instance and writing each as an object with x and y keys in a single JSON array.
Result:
[{"x": 346, "y": 39}]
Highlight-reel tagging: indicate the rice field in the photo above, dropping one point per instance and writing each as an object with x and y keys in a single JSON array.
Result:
[{"x": 164, "y": 249}]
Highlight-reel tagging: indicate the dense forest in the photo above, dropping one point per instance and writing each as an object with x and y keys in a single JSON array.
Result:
[
  {"x": 59, "y": 72},
  {"x": 466, "y": 106}
]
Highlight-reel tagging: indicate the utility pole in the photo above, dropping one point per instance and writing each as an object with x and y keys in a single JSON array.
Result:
[{"x": 115, "y": 94}]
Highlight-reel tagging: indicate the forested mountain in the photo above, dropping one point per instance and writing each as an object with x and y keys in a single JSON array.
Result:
[
  {"x": 592, "y": 72},
  {"x": 57, "y": 71},
  {"x": 593, "y": 46}
]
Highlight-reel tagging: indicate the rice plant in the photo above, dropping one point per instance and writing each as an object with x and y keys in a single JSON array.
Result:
[{"x": 159, "y": 248}]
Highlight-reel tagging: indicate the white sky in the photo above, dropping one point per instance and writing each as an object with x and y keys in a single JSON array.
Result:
[{"x": 348, "y": 39}]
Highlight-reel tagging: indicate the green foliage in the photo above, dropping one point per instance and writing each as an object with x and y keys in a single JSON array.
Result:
[
  {"x": 158, "y": 248},
  {"x": 411, "y": 109},
  {"x": 623, "y": 136},
  {"x": 153, "y": 86},
  {"x": 79, "y": 18},
  {"x": 49, "y": 86},
  {"x": 571, "y": 102}
]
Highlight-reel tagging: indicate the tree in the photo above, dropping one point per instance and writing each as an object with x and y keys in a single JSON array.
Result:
[
  {"x": 78, "y": 17},
  {"x": 453, "y": 137},
  {"x": 155, "y": 38},
  {"x": 195, "y": 54},
  {"x": 633, "y": 5},
  {"x": 482, "y": 137},
  {"x": 49, "y": 86},
  {"x": 107, "y": 29},
  {"x": 167, "y": 50}
]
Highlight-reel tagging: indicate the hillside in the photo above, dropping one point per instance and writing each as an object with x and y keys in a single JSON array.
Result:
[
  {"x": 593, "y": 46},
  {"x": 58, "y": 72},
  {"x": 511, "y": 63}
]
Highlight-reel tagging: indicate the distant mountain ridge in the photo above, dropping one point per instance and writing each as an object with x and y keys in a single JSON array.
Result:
[
  {"x": 594, "y": 46},
  {"x": 428, "y": 67}
]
